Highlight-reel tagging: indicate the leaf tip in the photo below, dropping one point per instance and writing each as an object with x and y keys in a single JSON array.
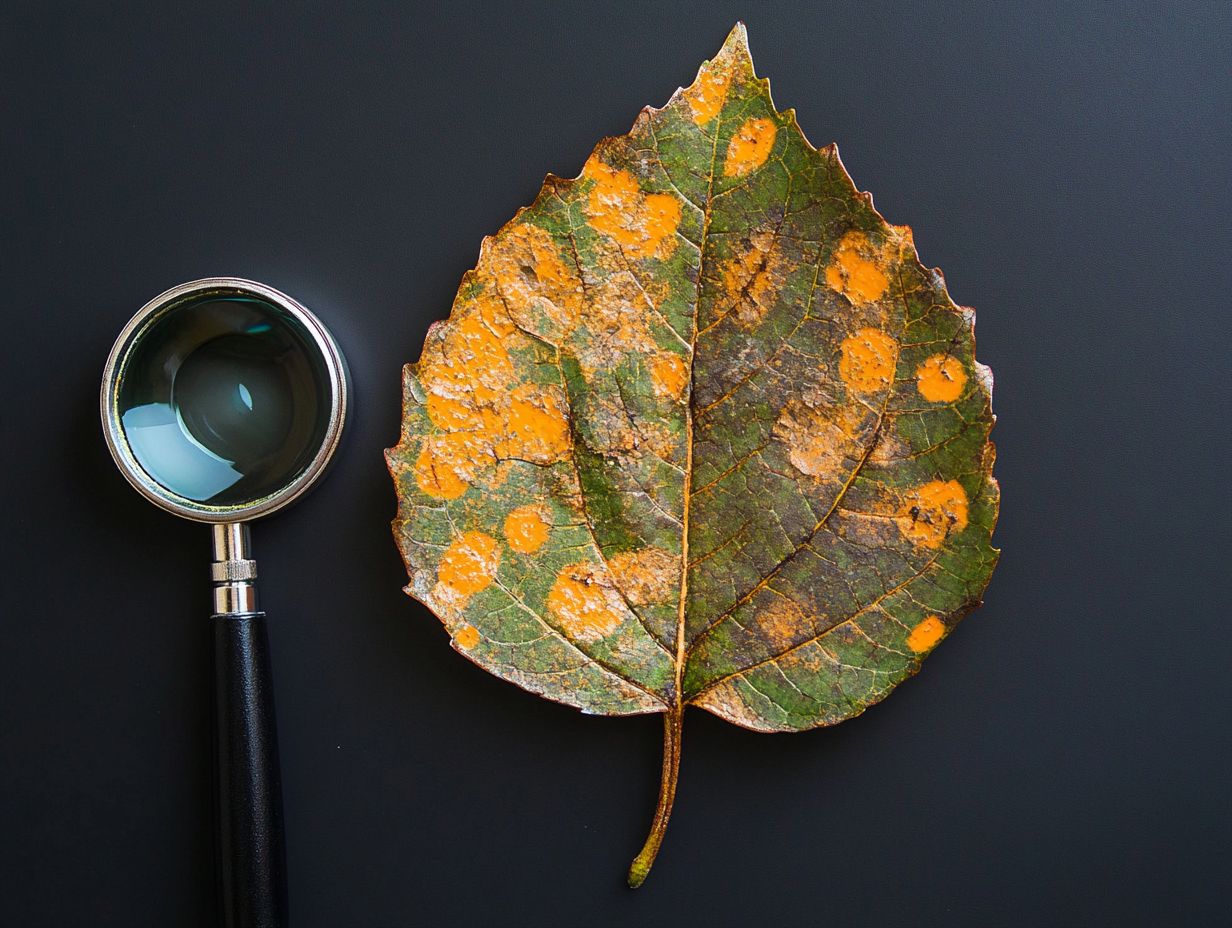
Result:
[{"x": 736, "y": 44}]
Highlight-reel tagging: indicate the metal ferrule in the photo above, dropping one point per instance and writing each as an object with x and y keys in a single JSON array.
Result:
[{"x": 233, "y": 571}]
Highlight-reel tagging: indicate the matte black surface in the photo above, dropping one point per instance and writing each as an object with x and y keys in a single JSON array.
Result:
[
  {"x": 1062, "y": 760},
  {"x": 250, "y": 861}
]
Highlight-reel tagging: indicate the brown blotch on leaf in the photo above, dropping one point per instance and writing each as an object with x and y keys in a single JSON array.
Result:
[
  {"x": 782, "y": 622},
  {"x": 646, "y": 575},
  {"x": 822, "y": 440},
  {"x": 751, "y": 280}
]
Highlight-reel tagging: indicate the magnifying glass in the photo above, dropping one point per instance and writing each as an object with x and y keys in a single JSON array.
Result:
[{"x": 223, "y": 400}]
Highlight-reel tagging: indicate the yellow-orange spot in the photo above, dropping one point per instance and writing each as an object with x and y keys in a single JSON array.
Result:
[
  {"x": 536, "y": 428},
  {"x": 585, "y": 603},
  {"x": 669, "y": 374},
  {"x": 467, "y": 637},
  {"x": 646, "y": 575},
  {"x": 929, "y": 513},
  {"x": 941, "y": 378},
  {"x": 857, "y": 269},
  {"x": 926, "y": 634},
  {"x": 466, "y": 374},
  {"x": 533, "y": 279},
  {"x": 444, "y": 468},
  {"x": 705, "y": 97},
  {"x": 643, "y": 224},
  {"x": 467, "y": 567},
  {"x": 750, "y": 147},
  {"x": 868, "y": 361},
  {"x": 527, "y": 528}
]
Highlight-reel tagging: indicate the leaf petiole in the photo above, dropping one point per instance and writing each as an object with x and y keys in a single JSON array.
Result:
[{"x": 672, "y": 725}]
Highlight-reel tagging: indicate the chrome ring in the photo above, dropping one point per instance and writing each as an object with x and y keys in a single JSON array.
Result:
[{"x": 161, "y": 305}]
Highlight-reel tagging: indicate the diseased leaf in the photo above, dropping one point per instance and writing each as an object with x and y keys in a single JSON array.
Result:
[{"x": 700, "y": 430}]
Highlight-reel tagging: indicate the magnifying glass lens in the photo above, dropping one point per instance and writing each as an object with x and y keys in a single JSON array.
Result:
[{"x": 224, "y": 400}]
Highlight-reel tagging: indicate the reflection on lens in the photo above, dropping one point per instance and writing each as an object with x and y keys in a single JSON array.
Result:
[{"x": 224, "y": 400}]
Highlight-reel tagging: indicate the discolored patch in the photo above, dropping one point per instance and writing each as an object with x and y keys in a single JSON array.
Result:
[
  {"x": 617, "y": 321},
  {"x": 536, "y": 428},
  {"x": 821, "y": 441},
  {"x": 585, "y": 603},
  {"x": 750, "y": 147},
  {"x": 857, "y": 269},
  {"x": 526, "y": 268},
  {"x": 646, "y": 575},
  {"x": 931, "y": 512},
  {"x": 669, "y": 375},
  {"x": 468, "y": 566},
  {"x": 751, "y": 280},
  {"x": 705, "y": 96},
  {"x": 643, "y": 224},
  {"x": 782, "y": 622},
  {"x": 444, "y": 468},
  {"x": 941, "y": 379},
  {"x": 467, "y": 637},
  {"x": 926, "y": 635},
  {"x": 868, "y": 360},
  {"x": 527, "y": 528}
]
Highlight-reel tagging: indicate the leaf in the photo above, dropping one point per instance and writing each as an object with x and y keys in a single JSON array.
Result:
[{"x": 700, "y": 431}]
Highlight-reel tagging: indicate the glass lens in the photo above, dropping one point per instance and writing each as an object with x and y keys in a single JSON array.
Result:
[{"x": 224, "y": 399}]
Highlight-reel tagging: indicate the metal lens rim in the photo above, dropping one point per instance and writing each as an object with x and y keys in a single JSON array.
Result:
[{"x": 140, "y": 324}]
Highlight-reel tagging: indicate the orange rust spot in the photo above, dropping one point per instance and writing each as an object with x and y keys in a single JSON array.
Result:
[
  {"x": 445, "y": 466},
  {"x": 465, "y": 374},
  {"x": 705, "y": 97},
  {"x": 530, "y": 274},
  {"x": 868, "y": 361},
  {"x": 857, "y": 269},
  {"x": 750, "y": 147},
  {"x": 941, "y": 379},
  {"x": 527, "y": 528},
  {"x": 751, "y": 280},
  {"x": 669, "y": 374},
  {"x": 467, "y": 637},
  {"x": 929, "y": 513},
  {"x": 926, "y": 635},
  {"x": 585, "y": 603},
  {"x": 535, "y": 428},
  {"x": 646, "y": 575},
  {"x": 473, "y": 397},
  {"x": 643, "y": 224},
  {"x": 467, "y": 567}
]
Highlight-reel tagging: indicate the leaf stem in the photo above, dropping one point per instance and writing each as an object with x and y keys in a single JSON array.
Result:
[{"x": 672, "y": 725}]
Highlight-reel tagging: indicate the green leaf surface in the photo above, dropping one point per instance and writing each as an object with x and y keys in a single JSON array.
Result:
[{"x": 700, "y": 430}]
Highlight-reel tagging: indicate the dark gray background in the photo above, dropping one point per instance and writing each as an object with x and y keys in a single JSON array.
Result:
[{"x": 1062, "y": 760}]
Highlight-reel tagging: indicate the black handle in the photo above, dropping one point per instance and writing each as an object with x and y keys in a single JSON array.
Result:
[{"x": 252, "y": 883}]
